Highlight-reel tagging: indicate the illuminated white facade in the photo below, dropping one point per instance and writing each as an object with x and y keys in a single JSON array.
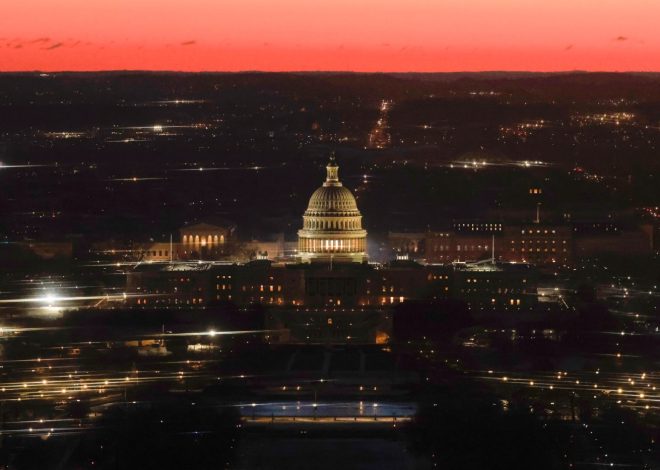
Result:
[
  {"x": 332, "y": 224},
  {"x": 203, "y": 235}
]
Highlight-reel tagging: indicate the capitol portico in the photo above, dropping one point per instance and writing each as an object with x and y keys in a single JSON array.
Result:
[{"x": 332, "y": 224}]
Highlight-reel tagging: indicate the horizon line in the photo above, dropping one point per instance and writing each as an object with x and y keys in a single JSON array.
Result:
[{"x": 320, "y": 71}]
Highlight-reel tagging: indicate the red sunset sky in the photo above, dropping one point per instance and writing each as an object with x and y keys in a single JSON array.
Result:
[{"x": 359, "y": 35}]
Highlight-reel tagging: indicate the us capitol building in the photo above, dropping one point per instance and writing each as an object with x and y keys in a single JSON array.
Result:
[
  {"x": 332, "y": 224},
  {"x": 326, "y": 292}
]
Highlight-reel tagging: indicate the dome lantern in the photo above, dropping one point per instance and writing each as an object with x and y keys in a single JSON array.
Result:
[{"x": 332, "y": 178}]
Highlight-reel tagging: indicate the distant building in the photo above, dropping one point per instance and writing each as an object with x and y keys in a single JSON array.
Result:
[
  {"x": 205, "y": 240},
  {"x": 538, "y": 244},
  {"x": 501, "y": 286},
  {"x": 440, "y": 247},
  {"x": 160, "y": 251},
  {"x": 450, "y": 246},
  {"x": 200, "y": 241}
]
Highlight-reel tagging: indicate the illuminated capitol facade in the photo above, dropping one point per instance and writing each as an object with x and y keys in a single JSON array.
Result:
[{"x": 332, "y": 224}]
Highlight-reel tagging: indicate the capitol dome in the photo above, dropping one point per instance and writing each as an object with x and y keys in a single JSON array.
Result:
[
  {"x": 332, "y": 223},
  {"x": 332, "y": 199}
]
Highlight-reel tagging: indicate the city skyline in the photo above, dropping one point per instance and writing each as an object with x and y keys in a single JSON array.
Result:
[{"x": 243, "y": 234}]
